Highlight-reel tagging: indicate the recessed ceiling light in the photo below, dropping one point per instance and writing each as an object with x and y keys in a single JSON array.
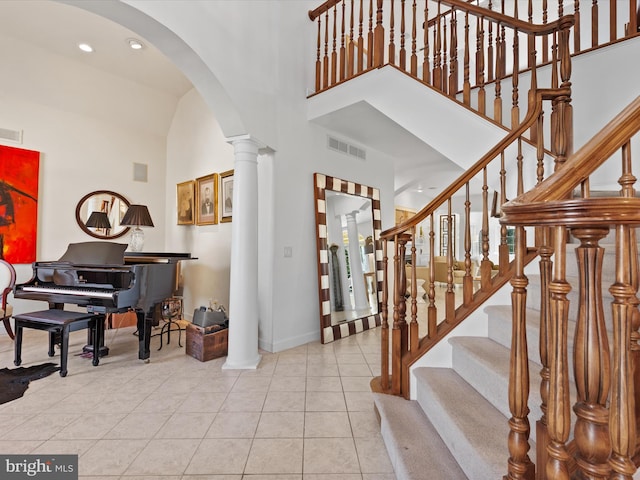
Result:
[
  {"x": 135, "y": 44},
  {"x": 85, "y": 47}
]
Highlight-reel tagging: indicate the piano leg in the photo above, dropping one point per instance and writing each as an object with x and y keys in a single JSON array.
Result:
[{"x": 144, "y": 334}]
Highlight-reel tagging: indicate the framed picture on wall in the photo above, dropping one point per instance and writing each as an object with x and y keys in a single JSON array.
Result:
[
  {"x": 226, "y": 196},
  {"x": 184, "y": 202},
  {"x": 207, "y": 200},
  {"x": 403, "y": 214}
]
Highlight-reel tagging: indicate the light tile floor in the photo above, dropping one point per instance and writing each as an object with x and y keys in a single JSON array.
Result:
[{"x": 304, "y": 414}]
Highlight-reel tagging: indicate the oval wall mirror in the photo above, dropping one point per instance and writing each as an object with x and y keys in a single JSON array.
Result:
[
  {"x": 111, "y": 203},
  {"x": 348, "y": 225}
]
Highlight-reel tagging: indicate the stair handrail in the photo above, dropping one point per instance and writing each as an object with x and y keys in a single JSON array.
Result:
[{"x": 583, "y": 162}]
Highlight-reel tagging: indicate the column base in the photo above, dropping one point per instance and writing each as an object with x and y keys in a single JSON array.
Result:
[{"x": 247, "y": 365}]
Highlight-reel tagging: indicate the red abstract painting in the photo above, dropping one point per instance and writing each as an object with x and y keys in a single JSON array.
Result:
[{"x": 18, "y": 204}]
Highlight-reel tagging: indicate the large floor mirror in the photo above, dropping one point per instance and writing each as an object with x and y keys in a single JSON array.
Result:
[{"x": 348, "y": 226}]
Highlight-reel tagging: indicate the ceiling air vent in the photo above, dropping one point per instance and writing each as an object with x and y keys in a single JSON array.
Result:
[
  {"x": 12, "y": 135},
  {"x": 344, "y": 147}
]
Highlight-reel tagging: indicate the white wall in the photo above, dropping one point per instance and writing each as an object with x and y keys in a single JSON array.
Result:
[
  {"x": 196, "y": 147},
  {"x": 88, "y": 128}
]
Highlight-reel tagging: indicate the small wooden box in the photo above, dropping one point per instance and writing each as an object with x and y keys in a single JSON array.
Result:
[{"x": 204, "y": 345}]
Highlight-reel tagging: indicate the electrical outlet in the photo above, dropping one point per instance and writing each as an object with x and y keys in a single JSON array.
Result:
[{"x": 288, "y": 252}]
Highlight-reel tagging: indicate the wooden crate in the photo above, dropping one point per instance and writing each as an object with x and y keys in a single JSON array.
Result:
[{"x": 204, "y": 345}]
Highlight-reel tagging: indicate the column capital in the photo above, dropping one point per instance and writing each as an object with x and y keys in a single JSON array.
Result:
[{"x": 248, "y": 143}]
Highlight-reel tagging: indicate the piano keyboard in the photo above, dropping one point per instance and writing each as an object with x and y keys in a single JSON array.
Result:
[{"x": 70, "y": 291}]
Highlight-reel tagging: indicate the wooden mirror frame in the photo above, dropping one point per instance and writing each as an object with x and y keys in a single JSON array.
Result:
[
  {"x": 323, "y": 183},
  {"x": 87, "y": 230}
]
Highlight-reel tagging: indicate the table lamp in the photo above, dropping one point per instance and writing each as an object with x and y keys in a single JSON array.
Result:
[
  {"x": 98, "y": 220},
  {"x": 137, "y": 215}
]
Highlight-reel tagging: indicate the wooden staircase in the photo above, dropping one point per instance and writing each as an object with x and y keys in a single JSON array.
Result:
[{"x": 460, "y": 428}]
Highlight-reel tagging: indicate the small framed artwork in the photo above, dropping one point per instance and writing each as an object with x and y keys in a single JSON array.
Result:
[
  {"x": 207, "y": 200},
  {"x": 184, "y": 203},
  {"x": 226, "y": 196}
]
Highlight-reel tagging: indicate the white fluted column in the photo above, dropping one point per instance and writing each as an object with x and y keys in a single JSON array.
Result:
[
  {"x": 355, "y": 263},
  {"x": 243, "y": 291}
]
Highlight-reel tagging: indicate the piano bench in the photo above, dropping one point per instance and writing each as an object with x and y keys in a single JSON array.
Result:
[{"x": 59, "y": 323}]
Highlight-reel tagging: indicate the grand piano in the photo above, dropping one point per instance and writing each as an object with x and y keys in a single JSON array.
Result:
[{"x": 103, "y": 278}]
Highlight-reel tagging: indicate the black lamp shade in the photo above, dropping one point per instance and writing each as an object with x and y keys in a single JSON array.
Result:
[
  {"x": 137, "y": 215},
  {"x": 98, "y": 220}
]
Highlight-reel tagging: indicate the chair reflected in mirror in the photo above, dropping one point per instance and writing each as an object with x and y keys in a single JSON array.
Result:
[{"x": 7, "y": 282}]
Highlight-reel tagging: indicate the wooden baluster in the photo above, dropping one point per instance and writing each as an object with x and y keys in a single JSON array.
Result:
[
  {"x": 384, "y": 333},
  {"x": 485, "y": 263},
  {"x": 334, "y": 52},
  {"x": 519, "y": 465},
  {"x": 360, "y": 63},
  {"x": 402, "y": 274},
  {"x": 325, "y": 59},
  {"x": 634, "y": 17},
  {"x": 565, "y": 111},
  {"x": 445, "y": 67},
  {"x": 497, "y": 102},
  {"x": 558, "y": 414},
  {"x": 545, "y": 38},
  {"x": 450, "y": 296},
  {"x": 613, "y": 23},
  {"x": 490, "y": 59},
  {"x": 545, "y": 251},
  {"x": 414, "y": 335},
  {"x": 515, "y": 109},
  {"x": 414, "y": 32},
  {"x": 318, "y": 62},
  {"x": 591, "y": 359},
  {"x": 533, "y": 88},
  {"x": 531, "y": 39},
  {"x": 350, "y": 44},
  {"x": 576, "y": 26},
  {"x": 343, "y": 59},
  {"x": 437, "y": 47},
  {"x": 378, "y": 37},
  {"x": 503, "y": 249},
  {"x": 466, "y": 86},
  {"x": 392, "y": 45},
  {"x": 403, "y": 51},
  {"x": 594, "y": 23},
  {"x": 467, "y": 282},
  {"x": 426, "y": 69},
  {"x": 519, "y": 164},
  {"x": 627, "y": 181},
  {"x": 480, "y": 68},
  {"x": 396, "y": 333},
  {"x": 622, "y": 421},
  {"x": 453, "y": 72},
  {"x": 432, "y": 311},
  {"x": 370, "y": 41}
]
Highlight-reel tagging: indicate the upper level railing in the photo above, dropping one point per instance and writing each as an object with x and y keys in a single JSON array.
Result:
[{"x": 480, "y": 56}]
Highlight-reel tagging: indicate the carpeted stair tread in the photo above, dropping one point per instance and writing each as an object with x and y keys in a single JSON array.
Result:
[
  {"x": 415, "y": 448},
  {"x": 484, "y": 364},
  {"x": 474, "y": 430}
]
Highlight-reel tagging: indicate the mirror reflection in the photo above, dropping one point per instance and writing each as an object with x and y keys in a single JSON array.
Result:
[
  {"x": 112, "y": 204},
  {"x": 348, "y": 226},
  {"x": 351, "y": 257}
]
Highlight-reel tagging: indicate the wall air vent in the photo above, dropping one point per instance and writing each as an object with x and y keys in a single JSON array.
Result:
[
  {"x": 12, "y": 135},
  {"x": 343, "y": 147}
]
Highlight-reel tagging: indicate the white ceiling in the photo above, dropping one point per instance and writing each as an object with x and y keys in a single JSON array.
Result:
[{"x": 59, "y": 28}]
